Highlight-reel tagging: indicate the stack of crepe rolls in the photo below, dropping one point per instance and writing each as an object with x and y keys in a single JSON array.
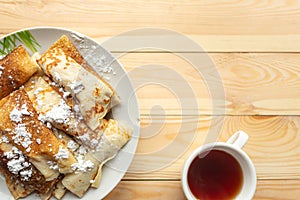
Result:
[{"x": 54, "y": 126}]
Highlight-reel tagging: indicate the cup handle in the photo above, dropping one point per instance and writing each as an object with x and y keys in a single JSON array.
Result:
[{"x": 238, "y": 139}]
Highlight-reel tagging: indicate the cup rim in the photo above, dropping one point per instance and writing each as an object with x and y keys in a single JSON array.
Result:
[{"x": 210, "y": 147}]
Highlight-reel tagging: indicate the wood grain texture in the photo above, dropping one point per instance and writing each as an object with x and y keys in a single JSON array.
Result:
[
  {"x": 204, "y": 43},
  {"x": 273, "y": 144},
  {"x": 278, "y": 189},
  {"x": 147, "y": 190},
  {"x": 252, "y": 83},
  {"x": 254, "y": 46},
  {"x": 217, "y": 26},
  {"x": 267, "y": 189}
]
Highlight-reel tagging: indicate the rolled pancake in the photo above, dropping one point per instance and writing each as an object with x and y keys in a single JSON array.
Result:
[
  {"x": 21, "y": 176},
  {"x": 66, "y": 45},
  {"x": 79, "y": 182},
  {"x": 16, "y": 188},
  {"x": 115, "y": 136},
  {"x": 70, "y": 50},
  {"x": 113, "y": 139},
  {"x": 53, "y": 109},
  {"x": 15, "y": 69},
  {"x": 19, "y": 122},
  {"x": 91, "y": 92}
]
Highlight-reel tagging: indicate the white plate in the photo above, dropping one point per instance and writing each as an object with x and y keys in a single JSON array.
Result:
[{"x": 127, "y": 111}]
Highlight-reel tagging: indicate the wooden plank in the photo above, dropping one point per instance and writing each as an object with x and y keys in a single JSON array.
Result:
[
  {"x": 217, "y": 26},
  {"x": 147, "y": 190},
  {"x": 165, "y": 143},
  {"x": 266, "y": 189},
  {"x": 251, "y": 83},
  {"x": 205, "y": 17},
  {"x": 166, "y": 42},
  {"x": 278, "y": 189}
]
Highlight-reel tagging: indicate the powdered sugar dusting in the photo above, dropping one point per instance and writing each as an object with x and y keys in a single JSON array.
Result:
[
  {"x": 82, "y": 150},
  {"x": 85, "y": 138},
  {"x": 93, "y": 54},
  {"x": 57, "y": 78},
  {"x": 62, "y": 153},
  {"x": 4, "y": 139},
  {"x": 53, "y": 165},
  {"x": 38, "y": 141},
  {"x": 94, "y": 143},
  {"x": 11, "y": 80},
  {"x": 72, "y": 145},
  {"x": 59, "y": 114},
  {"x": 82, "y": 165},
  {"x": 21, "y": 136},
  {"x": 17, "y": 164},
  {"x": 16, "y": 114}
]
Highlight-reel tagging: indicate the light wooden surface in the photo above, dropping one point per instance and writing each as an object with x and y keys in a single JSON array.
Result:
[{"x": 255, "y": 47}]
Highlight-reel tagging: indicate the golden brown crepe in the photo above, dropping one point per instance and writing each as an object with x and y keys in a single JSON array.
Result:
[
  {"x": 52, "y": 108},
  {"x": 66, "y": 45},
  {"x": 18, "y": 190},
  {"x": 115, "y": 136},
  {"x": 21, "y": 176},
  {"x": 15, "y": 69},
  {"x": 85, "y": 86},
  {"x": 113, "y": 139},
  {"x": 13, "y": 182},
  {"x": 19, "y": 122}
]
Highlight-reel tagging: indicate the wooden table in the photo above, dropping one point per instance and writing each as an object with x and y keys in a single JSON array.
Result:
[{"x": 255, "y": 48}]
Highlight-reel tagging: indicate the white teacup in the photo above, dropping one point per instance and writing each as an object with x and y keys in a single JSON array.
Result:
[{"x": 232, "y": 147}]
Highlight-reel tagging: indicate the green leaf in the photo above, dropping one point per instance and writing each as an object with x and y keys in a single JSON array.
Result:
[{"x": 9, "y": 43}]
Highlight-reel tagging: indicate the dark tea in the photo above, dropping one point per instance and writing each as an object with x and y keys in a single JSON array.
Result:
[{"x": 217, "y": 175}]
